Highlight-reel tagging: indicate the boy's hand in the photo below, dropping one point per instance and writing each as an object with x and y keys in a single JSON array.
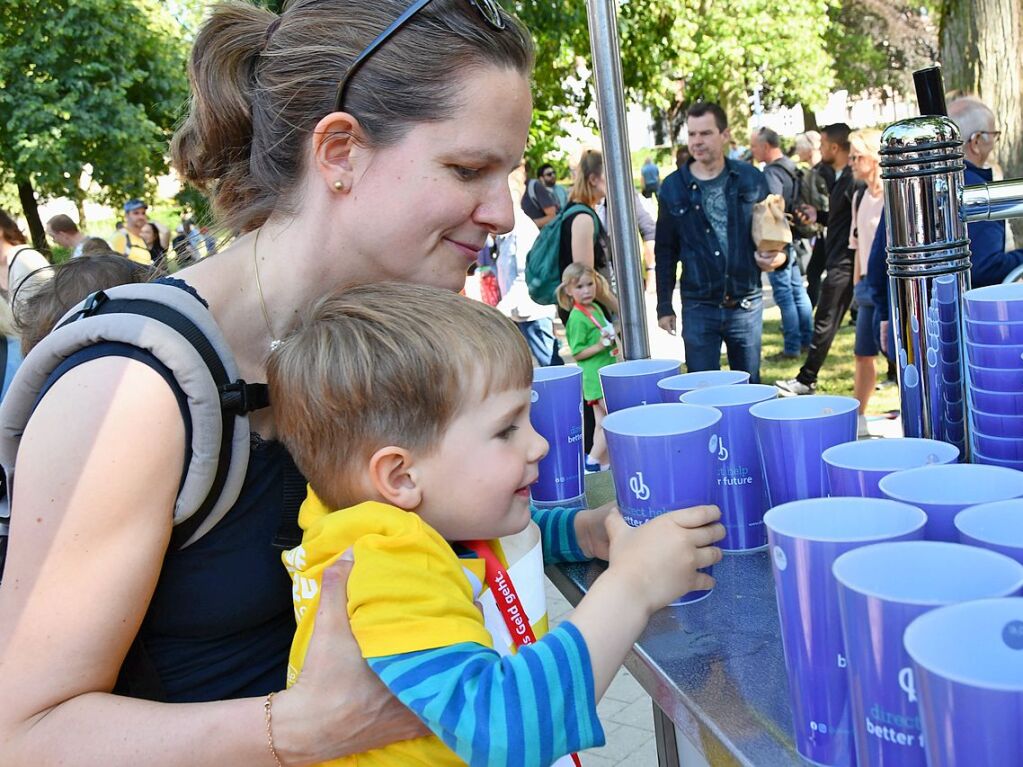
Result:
[
  {"x": 660, "y": 559},
  {"x": 591, "y": 532}
]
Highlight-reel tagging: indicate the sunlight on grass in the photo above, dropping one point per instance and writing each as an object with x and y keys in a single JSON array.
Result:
[{"x": 836, "y": 376}]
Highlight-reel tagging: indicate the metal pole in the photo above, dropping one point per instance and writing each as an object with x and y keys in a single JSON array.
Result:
[
  {"x": 927, "y": 207},
  {"x": 621, "y": 209}
]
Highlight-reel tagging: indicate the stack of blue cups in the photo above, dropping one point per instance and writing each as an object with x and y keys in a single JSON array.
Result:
[{"x": 994, "y": 351}]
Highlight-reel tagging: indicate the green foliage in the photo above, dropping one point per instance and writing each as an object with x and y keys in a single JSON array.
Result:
[
  {"x": 88, "y": 82},
  {"x": 876, "y": 44},
  {"x": 675, "y": 52}
]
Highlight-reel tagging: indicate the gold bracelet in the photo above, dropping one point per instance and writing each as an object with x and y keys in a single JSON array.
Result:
[{"x": 269, "y": 730}]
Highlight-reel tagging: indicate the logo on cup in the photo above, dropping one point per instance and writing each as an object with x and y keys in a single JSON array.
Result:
[
  {"x": 780, "y": 560},
  {"x": 712, "y": 446},
  {"x": 534, "y": 396},
  {"x": 906, "y": 684},
  {"x": 638, "y": 487},
  {"x": 722, "y": 450},
  {"x": 1012, "y": 635}
]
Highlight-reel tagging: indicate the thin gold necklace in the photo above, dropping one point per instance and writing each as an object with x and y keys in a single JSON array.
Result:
[{"x": 274, "y": 342}]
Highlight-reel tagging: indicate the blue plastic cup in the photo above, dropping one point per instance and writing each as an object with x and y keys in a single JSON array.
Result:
[
  {"x": 1003, "y": 356},
  {"x": 740, "y": 490},
  {"x": 1002, "y": 425},
  {"x": 986, "y": 460},
  {"x": 663, "y": 458},
  {"x": 994, "y": 332},
  {"x": 556, "y": 413},
  {"x": 995, "y": 303},
  {"x": 792, "y": 434},
  {"x": 1006, "y": 448},
  {"x": 806, "y": 537},
  {"x": 634, "y": 383},
  {"x": 881, "y": 590},
  {"x": 674, "y": 387},
  {"x": 968, "y": 665},
  {"x": 997, "y": 526},
  {"x": 994, "y": 379},
  {"x": 855, "y": 468},
  {"x": 944, "y": 491},
  {"x": 996, "y": 402}
]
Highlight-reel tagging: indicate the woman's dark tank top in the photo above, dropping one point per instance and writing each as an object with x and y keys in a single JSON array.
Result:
[{"x": 221, "y": 620}]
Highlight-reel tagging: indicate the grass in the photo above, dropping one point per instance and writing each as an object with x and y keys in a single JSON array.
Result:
[{"x": 836, "y": 377}]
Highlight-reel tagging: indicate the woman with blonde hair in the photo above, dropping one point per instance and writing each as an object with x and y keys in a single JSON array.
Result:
[{"x": 868, "y": 203}]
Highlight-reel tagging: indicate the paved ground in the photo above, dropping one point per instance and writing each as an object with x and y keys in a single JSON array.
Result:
[{"x": 625, "y": 711}]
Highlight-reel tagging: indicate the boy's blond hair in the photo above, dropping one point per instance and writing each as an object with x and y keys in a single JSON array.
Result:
[
  {"x": 571, "y": 275},
  {"x": 385, "y": 364}
]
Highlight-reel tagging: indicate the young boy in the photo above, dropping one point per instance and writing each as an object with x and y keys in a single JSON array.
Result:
[{"x": 407, "y": 408}]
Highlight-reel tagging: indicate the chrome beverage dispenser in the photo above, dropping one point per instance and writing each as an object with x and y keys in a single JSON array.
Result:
[{"x": 927, "y": 207}]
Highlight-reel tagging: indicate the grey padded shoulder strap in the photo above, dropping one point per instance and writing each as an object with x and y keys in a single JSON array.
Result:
[{"x": 178, "y": 355}]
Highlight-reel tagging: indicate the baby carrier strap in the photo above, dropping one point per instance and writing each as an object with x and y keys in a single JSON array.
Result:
[{"x": 177, "y": 329}]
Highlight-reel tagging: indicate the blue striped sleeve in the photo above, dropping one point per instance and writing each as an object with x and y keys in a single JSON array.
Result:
[
  {"x": 557, "y": 532},
  {"x": 523, "y": 710}
]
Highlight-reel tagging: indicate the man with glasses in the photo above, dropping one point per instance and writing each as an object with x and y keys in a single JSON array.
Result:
[
  {"x": 543, "y": 197},
  {"x": 988, "y": 239}
]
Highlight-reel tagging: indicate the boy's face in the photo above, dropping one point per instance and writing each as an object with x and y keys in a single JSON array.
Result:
[{"x": 476, "y": 483}]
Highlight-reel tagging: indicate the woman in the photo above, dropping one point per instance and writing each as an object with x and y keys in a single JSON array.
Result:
[
  {"x": 151, "y": 236},
  {"x": 865, "y": 160},
  {"x": 19, "y": 261},
  {"x": 583, "y": 237},
  {"x": 394, "y": 168}
]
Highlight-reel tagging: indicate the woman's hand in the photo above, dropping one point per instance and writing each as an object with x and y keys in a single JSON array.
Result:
[
  {"x": 338, "y": 706},
  {"x": 591, "y": 532}
]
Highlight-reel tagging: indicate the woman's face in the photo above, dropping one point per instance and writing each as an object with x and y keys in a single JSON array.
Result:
[
  {"x": 419, "y": 211},
  {"x": 149, "y": 235},
  {"x": 863, "y": 165},
  {"x": 599, "y": 184}
]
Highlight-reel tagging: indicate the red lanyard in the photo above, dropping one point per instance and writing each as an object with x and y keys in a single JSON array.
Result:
[
  {"x": 587, "y": 312},
  {"x": 505, "y": 595},
  {"x": 601, "y": 328},
  {"x": 507, "y": 600}
]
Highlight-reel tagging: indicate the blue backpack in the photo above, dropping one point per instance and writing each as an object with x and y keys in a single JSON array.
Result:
[{"x": 543, "y": 262}]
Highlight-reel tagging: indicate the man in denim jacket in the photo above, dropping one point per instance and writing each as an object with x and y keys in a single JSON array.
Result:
[{"x": 704, "y": 220}]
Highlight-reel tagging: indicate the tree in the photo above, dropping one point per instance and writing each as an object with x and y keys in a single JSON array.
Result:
[
  {"x": 877, "y": 44},
  {"x": 675, "y": 52},
  {"x": 980, "y": 53},
  {"x": 96, "y": 83}
]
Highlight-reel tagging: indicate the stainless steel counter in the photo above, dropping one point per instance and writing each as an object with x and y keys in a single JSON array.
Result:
[{"x": 715, "y": 668}]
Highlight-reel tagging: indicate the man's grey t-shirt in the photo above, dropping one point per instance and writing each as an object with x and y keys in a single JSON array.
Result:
[{"x": 715, "y": 205}]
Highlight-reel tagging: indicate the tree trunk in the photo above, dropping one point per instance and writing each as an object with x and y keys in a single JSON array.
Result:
[
  {"x": 30, "y": 208},
  {"x": 809, "y": 118},
  {"x": 981, "y": 44}
]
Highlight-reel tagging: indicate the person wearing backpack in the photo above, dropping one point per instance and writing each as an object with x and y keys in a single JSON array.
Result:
[
  {"x": 784, "y": 179},
  {"x": 21, "y": 265},
  {"x": 302, "y": 155}
]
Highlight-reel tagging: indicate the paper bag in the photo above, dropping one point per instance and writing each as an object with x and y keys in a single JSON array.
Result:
[{"x": 770, "y": 225}]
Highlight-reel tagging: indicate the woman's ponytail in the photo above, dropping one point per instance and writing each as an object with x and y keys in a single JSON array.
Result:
[{"x": 214, "y": 143}]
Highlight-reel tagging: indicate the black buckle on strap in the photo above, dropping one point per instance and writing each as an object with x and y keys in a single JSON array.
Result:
[{"x": 240, "y": 398}]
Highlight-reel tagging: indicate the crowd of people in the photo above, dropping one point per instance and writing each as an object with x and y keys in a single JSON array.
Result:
[
  {"x": 829, "y": 182},
  {"x": 142, "y": 620}
]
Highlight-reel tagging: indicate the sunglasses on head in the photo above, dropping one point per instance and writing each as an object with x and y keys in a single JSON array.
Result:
[{"x": 488, "y": 9}]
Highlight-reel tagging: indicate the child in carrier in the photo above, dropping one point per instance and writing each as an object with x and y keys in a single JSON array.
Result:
[
  {"x": 593, "y": 342},
  {"x": 416, "y": 441}
]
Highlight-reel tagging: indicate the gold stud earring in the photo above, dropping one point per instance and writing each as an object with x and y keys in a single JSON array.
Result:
[{"x": 339, "y": 185}]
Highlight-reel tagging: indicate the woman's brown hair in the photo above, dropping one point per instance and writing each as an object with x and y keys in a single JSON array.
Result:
[
  {"x": 9, "y": 229},
  {"x": 590, "y": 164},
  {"x": 261, "y": 82}
]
